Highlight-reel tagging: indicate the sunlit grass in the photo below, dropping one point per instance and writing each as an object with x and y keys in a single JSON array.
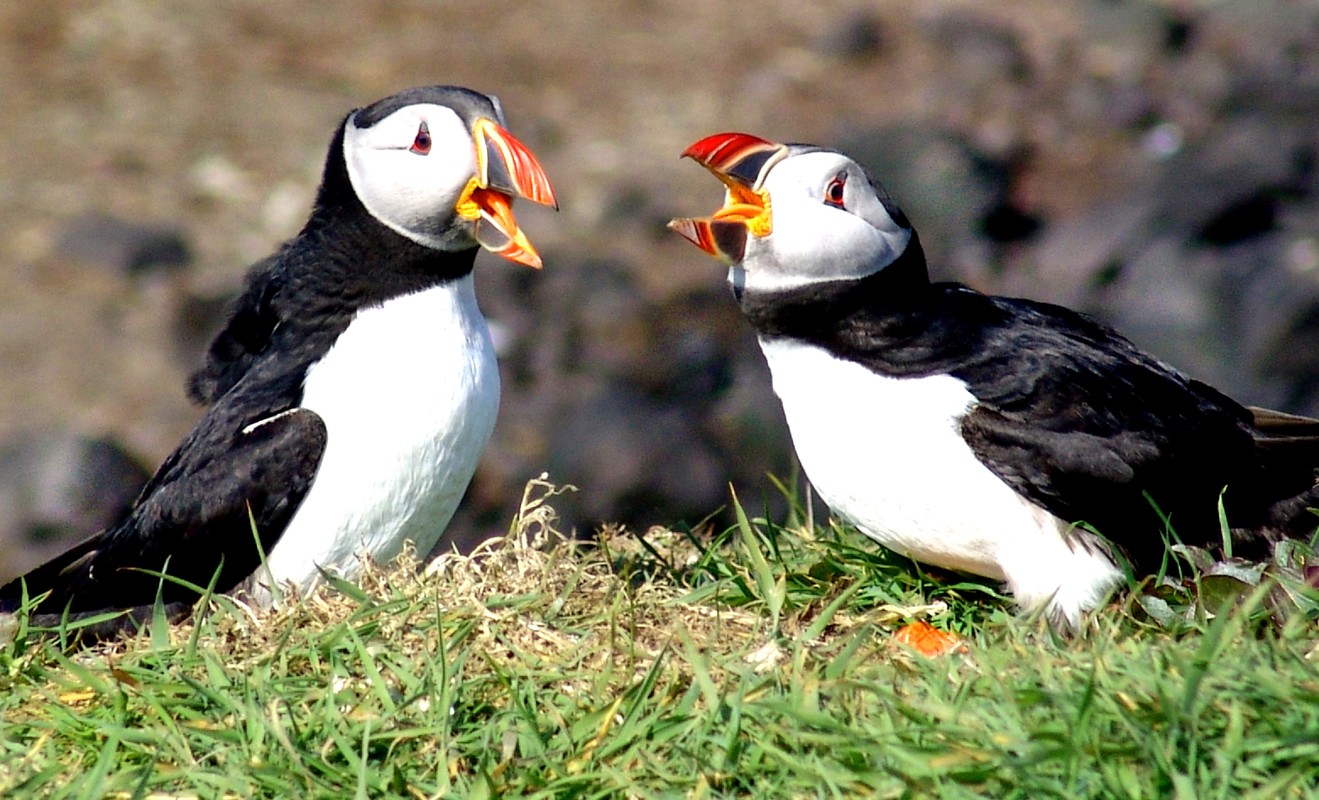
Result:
[{"x": 751, "y": 661}]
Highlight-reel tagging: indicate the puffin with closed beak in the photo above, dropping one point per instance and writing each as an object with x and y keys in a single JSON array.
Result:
[{"x": 352, "y": 391}]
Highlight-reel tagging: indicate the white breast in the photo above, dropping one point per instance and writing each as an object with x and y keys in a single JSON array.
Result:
[
  {"x": 409, "y": 395},
  {"x": 887, "y": 455}
]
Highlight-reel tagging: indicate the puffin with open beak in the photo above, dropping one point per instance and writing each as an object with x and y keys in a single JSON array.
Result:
[
  {"x": 352, "y": 391},
  {"x": 1003, "y": 437}
]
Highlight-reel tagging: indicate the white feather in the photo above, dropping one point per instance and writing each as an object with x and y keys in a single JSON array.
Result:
[
  {"x": 813, "y": 242},
  {"x": 887, "y": 455},
  {"x": 409, "y": 394},
  {"x": 404, "y": 190}
]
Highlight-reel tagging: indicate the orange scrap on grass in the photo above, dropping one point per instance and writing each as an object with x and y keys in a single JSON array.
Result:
[{"x": 928, "y": 640}]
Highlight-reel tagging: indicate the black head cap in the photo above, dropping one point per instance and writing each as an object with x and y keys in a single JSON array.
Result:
[
  {"x": 336, "y": 190},
  {"x": 467, "y": 104},
  {"x": 881, "y": 192}
]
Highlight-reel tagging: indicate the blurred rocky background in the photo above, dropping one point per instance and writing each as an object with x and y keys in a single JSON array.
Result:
[{"x": 1155, "y": 163}]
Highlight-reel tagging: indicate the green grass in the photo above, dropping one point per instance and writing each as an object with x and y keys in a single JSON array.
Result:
[{"x": 753, "y": 661}]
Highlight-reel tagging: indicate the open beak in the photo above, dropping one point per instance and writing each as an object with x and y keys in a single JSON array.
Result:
[
  {"x": 505, "y": 169},
  {"x": 740, "y": 161}
]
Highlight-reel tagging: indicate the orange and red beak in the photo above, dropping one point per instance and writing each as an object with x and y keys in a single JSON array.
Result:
[
  {"x": 740, "y": 161},
  {"x": 505, "y": 169}
]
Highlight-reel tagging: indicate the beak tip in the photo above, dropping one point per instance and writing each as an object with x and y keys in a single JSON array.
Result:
[
  {"x": 724, "y": 240},
  {"x": 523, "y": 256},
  {"x": 521, "y": 252},
  {"x": 508, "y": 165},
  {"x": 545, "y": 196},
  {"x": 685, "y": 228}
]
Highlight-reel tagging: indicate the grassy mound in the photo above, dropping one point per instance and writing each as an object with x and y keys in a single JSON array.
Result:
[{"x": 754, "y": 661}]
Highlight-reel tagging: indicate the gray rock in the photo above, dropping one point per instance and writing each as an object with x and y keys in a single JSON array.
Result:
[
  {"x": 942, "y": 182},
  {"x": 979, "y": 49},
  {"x": 1227, "y": 186},
  {"x": 636, "y": 459},
  {"x": 1205, "y": 262},
  {"x": 126, "y": 247},
  {"x": 857, "y": 36},
  {"x": 58, "y": 488}
]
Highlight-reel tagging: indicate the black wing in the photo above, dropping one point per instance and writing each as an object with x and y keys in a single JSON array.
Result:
[
  {"x": 247, "y": 334},
  {"x": 196, "y": 516},
  {"x": 1081, "y": 422}
]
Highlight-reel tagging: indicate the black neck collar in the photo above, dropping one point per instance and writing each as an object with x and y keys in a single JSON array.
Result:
[{"x": 815, "y": 311}]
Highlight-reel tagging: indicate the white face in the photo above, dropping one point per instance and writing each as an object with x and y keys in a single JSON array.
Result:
[
  {"x": 407, "y": 183},
  {"x": 817, "y": 234}
]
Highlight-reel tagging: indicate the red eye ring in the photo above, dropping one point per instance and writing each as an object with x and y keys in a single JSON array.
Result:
[
  {"x": 422, "y": 144},
  {"x": 833, "y": 193}
]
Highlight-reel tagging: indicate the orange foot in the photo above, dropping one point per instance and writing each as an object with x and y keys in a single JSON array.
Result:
[{"x": 928, "y": 640}]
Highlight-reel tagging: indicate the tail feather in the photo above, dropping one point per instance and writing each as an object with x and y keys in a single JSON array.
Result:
[
  {"x": 52, "y": 576},
  {"x": 1289, "y": 449},
  {"x": 1279, "y": 428}
]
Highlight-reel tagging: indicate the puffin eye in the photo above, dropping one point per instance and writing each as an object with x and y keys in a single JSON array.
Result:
[
  {"x": 833, "y": 193},
  {"x": 422, "y": 144}
]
